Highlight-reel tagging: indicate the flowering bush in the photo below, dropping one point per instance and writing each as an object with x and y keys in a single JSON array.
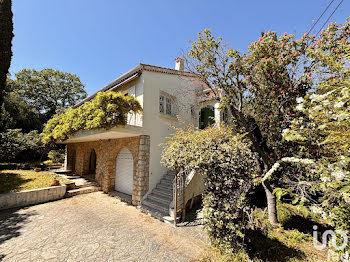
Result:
[
  {"x": 227, "y": 164},
  {"x": 106, "y": 110}
]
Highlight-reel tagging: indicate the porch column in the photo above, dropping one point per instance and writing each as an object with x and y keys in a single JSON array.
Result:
[
  {"x": 217, "y": 114},
  {"x": 141, "y": 179},
  {"x": 66, "y": 158}
]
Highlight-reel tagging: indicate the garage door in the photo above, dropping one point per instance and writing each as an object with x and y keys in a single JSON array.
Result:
[{"x": 124, "y": 172}]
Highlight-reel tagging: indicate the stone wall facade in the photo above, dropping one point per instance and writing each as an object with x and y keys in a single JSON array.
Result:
[{"x": 78, "y": 157}]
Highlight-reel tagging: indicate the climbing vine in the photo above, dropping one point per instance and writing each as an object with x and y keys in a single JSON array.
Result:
[{"x": 106, "y": 110}]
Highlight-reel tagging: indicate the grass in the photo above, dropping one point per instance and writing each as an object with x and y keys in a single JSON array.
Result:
[
  {"x": 19, "y": 180},
  {"x": 292, "y": 241}
]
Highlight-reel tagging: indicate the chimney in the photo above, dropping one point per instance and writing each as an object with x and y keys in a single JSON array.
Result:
[{"x": 179, "y": 64}]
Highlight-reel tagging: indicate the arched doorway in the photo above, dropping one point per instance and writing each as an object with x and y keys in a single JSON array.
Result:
[
  {"x": 206, "y": 117},
  {"x": 124, "y": 172},
  {"x": 92, "y": 162}
]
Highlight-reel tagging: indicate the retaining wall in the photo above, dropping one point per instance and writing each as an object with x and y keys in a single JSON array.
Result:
[{"x": 30, "y": 197}]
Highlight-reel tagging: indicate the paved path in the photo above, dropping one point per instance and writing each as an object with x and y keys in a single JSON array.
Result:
[{"x": 93, "y": 227}]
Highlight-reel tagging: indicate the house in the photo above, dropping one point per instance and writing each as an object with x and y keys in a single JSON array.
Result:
[{"x": 127, "y": 159}]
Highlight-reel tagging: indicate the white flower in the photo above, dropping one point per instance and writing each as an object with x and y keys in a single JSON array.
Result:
[
  {"x": 285, "y": 131},
  {"x": 325, "y": 102},
  {"x": 339, "y": 104},
  {"x": 316, "y": 210},
  {"x": 300, "y": 100},
  {"x": 338, "y": 174},
  {"x": 300, "y": 107}
]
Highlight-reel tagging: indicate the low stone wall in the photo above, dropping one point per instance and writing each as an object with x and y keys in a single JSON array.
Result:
[{"x": 29, "y": 197}]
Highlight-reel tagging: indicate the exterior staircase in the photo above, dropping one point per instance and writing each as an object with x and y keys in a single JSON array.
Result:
[
  {"x": 86, "y": 188},
  {"x": 79, "y": 184},
  {"x": 157, "y": 202}
]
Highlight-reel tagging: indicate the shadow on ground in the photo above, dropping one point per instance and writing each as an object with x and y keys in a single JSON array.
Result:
[
  {"x": 267, "y": 249},
  {"x": 11, "y": 222},
  {"x": 194, "y": 216},
  {"x": 305, "y": 225},
  {"x": 11, "y": 181}
]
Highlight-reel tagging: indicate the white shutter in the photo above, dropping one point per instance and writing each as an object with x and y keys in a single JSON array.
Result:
[{"x": 124, "y": 172}]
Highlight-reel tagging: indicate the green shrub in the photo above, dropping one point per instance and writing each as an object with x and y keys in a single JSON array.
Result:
[
  {"x": 17, "y": 146},
  {"x": 56, "y": 156},
  {"x": 227, "y": 164}
]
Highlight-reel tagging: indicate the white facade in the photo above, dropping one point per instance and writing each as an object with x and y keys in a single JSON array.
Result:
[{"x": 169, "y": 98}]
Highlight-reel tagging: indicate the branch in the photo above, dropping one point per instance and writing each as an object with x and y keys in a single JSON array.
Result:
[{"x": 286, "y": 160}]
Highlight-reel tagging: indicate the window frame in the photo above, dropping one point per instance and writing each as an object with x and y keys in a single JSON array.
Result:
[{"x": 167, "y": 99}]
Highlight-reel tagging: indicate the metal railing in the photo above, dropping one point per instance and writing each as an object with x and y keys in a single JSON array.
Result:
[{"x": 179, "y": 194}]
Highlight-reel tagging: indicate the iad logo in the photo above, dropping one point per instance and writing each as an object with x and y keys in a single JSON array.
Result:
[{"x": 331, "y": 235}]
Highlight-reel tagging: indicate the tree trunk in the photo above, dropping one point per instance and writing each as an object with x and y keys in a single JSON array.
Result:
[
  {"x": 271, "y": 204},
  {"x": 6, "y": 35},
  {"x": 255, "y": 136}
]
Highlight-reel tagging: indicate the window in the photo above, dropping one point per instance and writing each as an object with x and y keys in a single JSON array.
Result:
[
  {"x": 168, "y": 106},
  {"x": 161, "y": 104}
]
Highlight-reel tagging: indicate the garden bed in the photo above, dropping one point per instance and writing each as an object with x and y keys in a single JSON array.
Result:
[{"x": 20, "y": 180}]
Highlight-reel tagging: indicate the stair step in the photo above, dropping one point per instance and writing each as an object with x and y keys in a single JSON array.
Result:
[
  {"x": 83, "y": 190},
  {"x": 89, "y": 184},
  {"x": 162, "y": 192},
  {"x": 164, "y": 187},
  {"x": 161, "y": 199},
  {"x": 169, "y": 177},
  {"x": 167, "y": 182},
  {"x": 162, "y": 208}
]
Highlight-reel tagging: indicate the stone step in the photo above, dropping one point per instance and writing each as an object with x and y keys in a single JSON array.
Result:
[
  {"x": 166, "y": 182},
  {"x": 162, "y": 192},
  {"x": 165, "y": 187},
  {"x": 89, "y": 184},
  {"x": 162, "y": 208},
  {"x": 83, "y": 190},
  {"x": 171, "y": 173},
  {"x": 168, "y": 177},
  {"x": 160, "y": 199}
]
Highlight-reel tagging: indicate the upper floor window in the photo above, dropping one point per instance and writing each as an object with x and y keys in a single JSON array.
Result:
[
  {"x": 166, "y": 105},
  {"x": 161, "y": 104}
]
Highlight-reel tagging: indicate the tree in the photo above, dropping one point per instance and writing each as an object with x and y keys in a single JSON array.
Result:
[
  {"x": 6, "y": 35},
  {"x": 323, "y": 130},
  {"x": 259, "y": 88},
  {"x": 48, "y": 90},
  {"x": 15, "y": 113}
]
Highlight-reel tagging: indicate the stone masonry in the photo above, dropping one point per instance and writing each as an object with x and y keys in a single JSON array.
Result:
[{"x": 78, "y": 157}]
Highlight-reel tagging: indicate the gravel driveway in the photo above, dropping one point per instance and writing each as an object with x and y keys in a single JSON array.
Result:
[{"x": 93, "y": 227}]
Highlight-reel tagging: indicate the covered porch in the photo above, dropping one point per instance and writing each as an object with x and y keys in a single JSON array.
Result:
[{"x": 118, "y": 159}]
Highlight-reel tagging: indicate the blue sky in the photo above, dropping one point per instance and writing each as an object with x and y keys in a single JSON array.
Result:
[{"x": 99, "y": 40}]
